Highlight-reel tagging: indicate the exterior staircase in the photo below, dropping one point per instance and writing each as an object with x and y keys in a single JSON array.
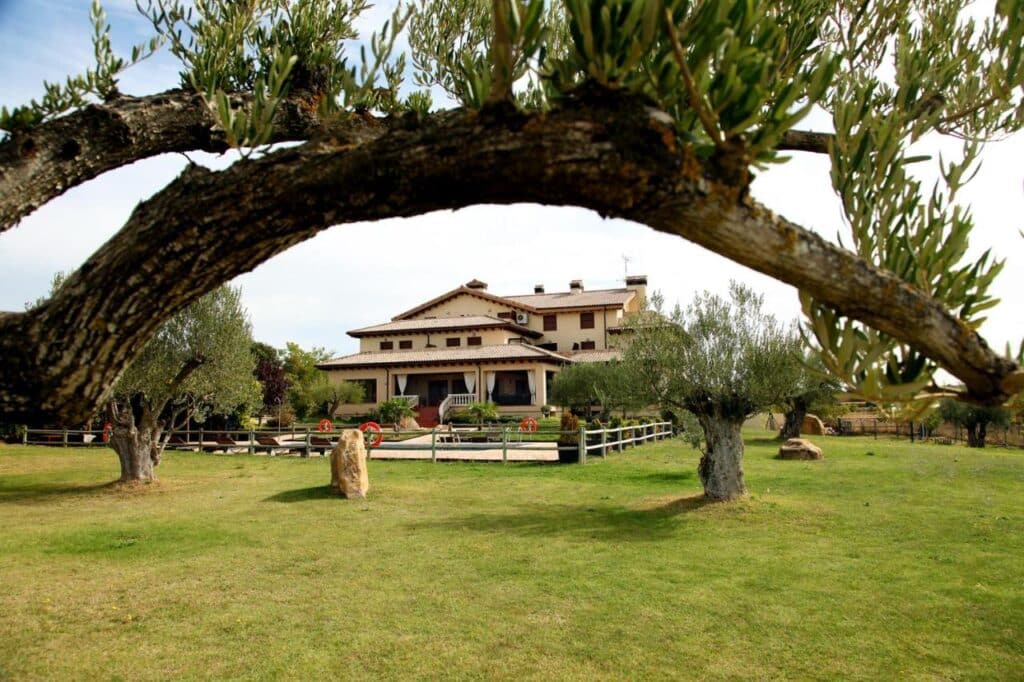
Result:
[{"x": 427, "y": 417}]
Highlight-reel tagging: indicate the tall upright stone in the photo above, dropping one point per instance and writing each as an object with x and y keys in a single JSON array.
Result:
[{"x": 348, "y": 465}]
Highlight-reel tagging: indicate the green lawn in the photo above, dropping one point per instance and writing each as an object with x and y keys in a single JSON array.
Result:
[{"x": 885, "y": 561}]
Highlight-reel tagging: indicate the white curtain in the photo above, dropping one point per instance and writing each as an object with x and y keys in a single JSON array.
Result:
[
  {"x": 470, "y": 379},
  {"x": 491, "y": 378},
  {"x": 403, "y": 379},
  {"x": 531, "y": 378}
]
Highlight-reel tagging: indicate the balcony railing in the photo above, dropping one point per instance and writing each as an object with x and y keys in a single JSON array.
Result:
[
  {"x": 413, "y": 400},
  {"x": 453, "y": 400}
]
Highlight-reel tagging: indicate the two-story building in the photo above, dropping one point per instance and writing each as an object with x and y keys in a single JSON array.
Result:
[{"x": 469, "y": 345}]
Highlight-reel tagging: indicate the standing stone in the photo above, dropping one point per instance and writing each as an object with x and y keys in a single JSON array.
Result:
[
  {"x": 348, "y": 465},
  {"x": 812, "y": 426},
  {"x": 798, "y": 448}
]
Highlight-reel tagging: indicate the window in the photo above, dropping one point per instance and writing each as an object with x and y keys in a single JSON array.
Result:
[
  {"x": 550, "y": 323},
  {"x": 474, "y": 341},
  {"x": 405, "y": 345},
  {"x": 548, "y": 346},
  {"x": 369, "y": 387},
  {"x": 507, "y": 315},
  {"x": 387, "y": 345},
  {"x": 587, "y": 320},
  {"x": 453, "y": 341},
  {"x": 587, "y": 345}
]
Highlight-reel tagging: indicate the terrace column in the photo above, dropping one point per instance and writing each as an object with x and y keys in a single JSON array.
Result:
[{"x": 539, "y": 380}]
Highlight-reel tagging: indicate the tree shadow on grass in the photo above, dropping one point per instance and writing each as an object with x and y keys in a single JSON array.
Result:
[
  {"x": 45, "y": 492},
  {"x": 763, "y": 441},
  {"x": 608, "y": 522},
  {"x": 317, "y": 492},
  {"x": 668, "y": 477}
]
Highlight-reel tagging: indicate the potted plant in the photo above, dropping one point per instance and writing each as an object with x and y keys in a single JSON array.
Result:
[{"x": 569, "y": 439}]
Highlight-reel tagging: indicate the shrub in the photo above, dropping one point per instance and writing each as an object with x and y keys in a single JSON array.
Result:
[
  {"x": 479, "y": 413},
  {"x": 392, "y": 411},
  {"x": 284, "y": 417}
]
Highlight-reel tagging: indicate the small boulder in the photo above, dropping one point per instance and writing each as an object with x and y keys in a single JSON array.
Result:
[
  {"x": 798, "y": 448},
  {"x": 410, "y": 424},
  {"x": 348, "y": 465},
  {"x": 812, "y": 426}
]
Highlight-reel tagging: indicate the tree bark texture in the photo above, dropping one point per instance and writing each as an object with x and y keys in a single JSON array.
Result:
[
  {"x": 977, "y": 433},
  {"x": 610, "y": 153},
  {"x": 794, "y": 420},
  {"x": 721, "y": 466},
  {"x": 137, "y": 445},
  {"x": 44, "y": 162}
]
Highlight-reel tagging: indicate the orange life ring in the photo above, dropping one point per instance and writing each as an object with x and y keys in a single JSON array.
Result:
[
  {"x": 377, "y": 433},
  {"x": 324, "y": 426},
  {"x": 108, "y": 428},
  {"x": 528, "y": 425}
]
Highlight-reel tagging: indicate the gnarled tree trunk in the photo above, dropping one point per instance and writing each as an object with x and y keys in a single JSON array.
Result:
[
  {"x": 976, "y": 434},
  {"x": 794, "y": 421},
  {"x": 137, "y": 445},
  {"x": 721, "y": 468}
]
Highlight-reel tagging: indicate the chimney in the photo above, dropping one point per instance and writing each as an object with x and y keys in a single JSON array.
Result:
[
  {"x": 538, "y": 288},
  {"x": 476, "y": 284},
  {"x": 576, "y": 286},
  {"x": 638, "y": 283}
]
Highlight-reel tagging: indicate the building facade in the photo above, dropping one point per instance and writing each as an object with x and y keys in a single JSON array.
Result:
[{"x": 470, "y": 345}]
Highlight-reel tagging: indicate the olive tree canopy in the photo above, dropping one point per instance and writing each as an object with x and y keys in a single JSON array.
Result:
[
  {"x": 651, "y": 110},
  {"x": 722, "y": 361}
]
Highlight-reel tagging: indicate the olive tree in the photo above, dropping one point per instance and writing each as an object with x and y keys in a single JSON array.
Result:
[
  {"x": 720, "y": 359},
  {"x": 200, "y": 359},
  {"x": 975, "y": 419},
  {"x": 655, "y": 111},
  {"x": 583, "y": 385},
  {"x": 812, "y": 389}
]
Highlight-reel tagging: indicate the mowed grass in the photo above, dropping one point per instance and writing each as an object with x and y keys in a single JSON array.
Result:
[{"x": 885, "y": 561}]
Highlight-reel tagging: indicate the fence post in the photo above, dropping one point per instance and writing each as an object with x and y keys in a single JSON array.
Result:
[
  {"x": 433, "y": 445},
  {"x": 24, "y": 437},
  {"x": 65, "y": 437},
  {"x": 604, "y": 443},
  {"x": 200, "y": 439},
  {"x": 305, "y": 451},
  {"x": 504, "y": 445},
  {"x": 252, "y": 442},
  {"x": 583, "y": 445}
]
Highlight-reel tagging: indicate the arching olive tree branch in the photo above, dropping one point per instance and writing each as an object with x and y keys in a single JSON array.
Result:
[
  {"x": 42, "y": 163},
  {"x": 611, "y": 154}
]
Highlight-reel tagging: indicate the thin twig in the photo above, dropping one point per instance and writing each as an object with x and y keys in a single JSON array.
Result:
[{"x": 707, "y": 118}]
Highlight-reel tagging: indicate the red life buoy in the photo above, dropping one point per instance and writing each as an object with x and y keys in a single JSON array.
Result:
[
  {"x": 108, "y": 428},
  {"x": 528, "y": 425},
  {"x": 376, "y": 433},
  {"x": 324, "y": 426}
]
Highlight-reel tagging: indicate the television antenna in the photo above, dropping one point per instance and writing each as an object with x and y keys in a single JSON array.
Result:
[{"x": 625, "y": 265}]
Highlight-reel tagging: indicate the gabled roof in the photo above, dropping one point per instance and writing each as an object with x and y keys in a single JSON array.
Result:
[
  {"x": 531, "y": 303},
  {"x": 444, "y": 356},
  {"x": 459, "y": 291},
  {"x": 439, "y": 324},
  {"x": 583, "y": 299}
]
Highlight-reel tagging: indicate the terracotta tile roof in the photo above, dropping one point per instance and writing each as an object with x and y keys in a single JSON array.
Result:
[
  {"x": 595, "y": 355},
  {"x": 479, "y": 293},
  {"x": 443, "y": 323},
  {"x": 532, "y": 302},
  {"x": 584, "y": 299},
  {"x": 445, "y": 355}
]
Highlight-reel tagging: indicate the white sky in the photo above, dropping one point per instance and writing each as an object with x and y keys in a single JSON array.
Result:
[{"x": 359, "y": 274}]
